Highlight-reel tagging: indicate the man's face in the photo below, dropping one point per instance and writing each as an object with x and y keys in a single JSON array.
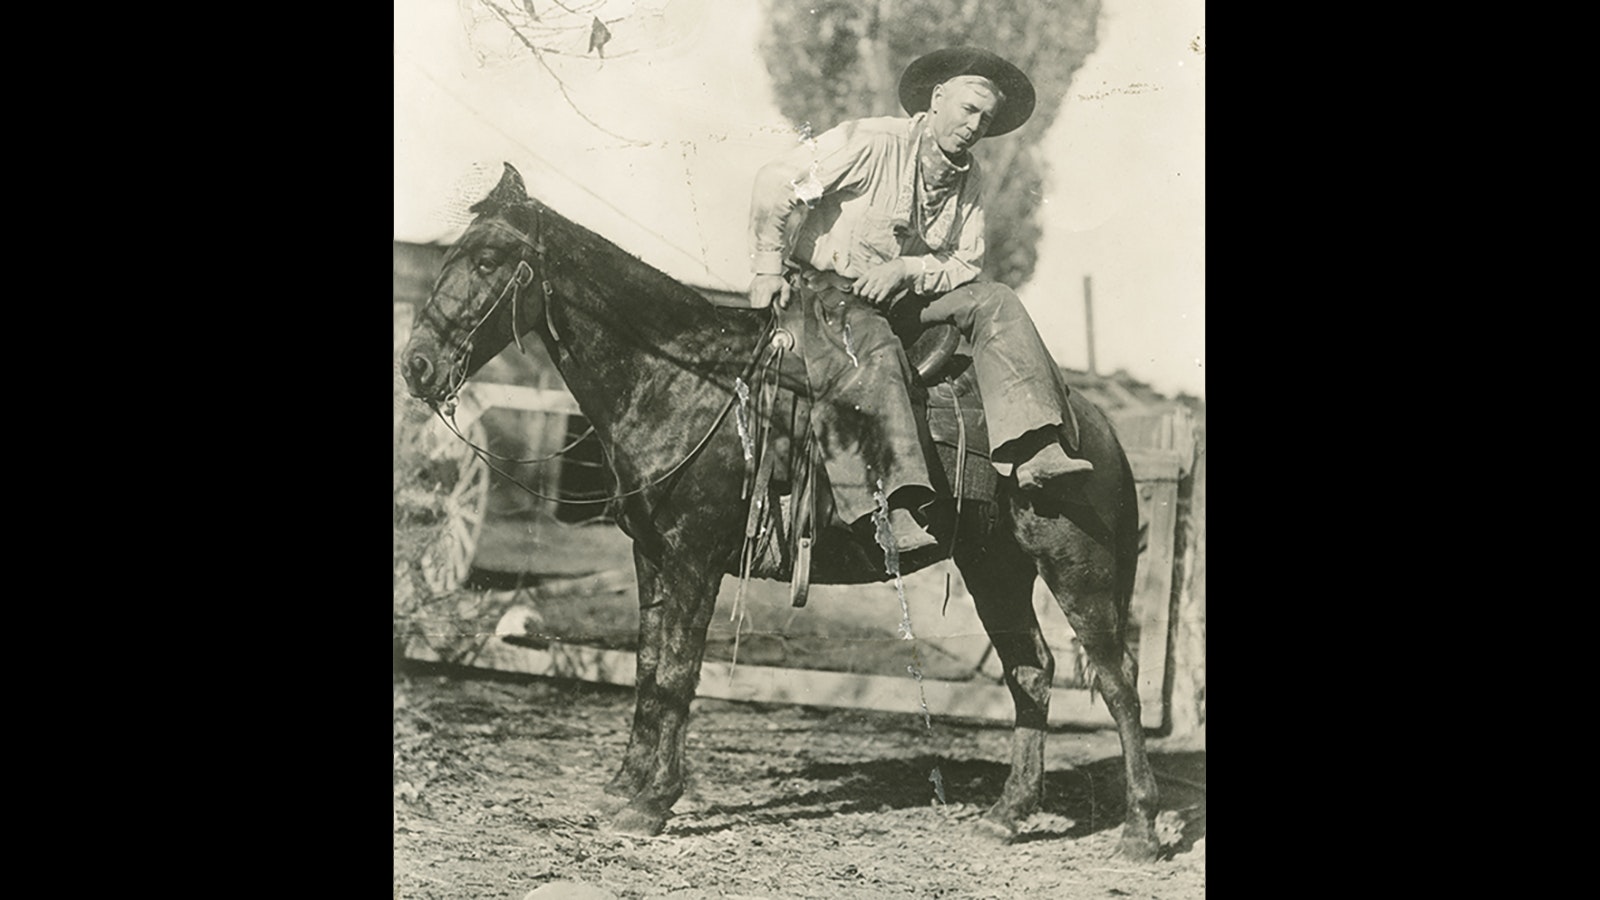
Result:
[{"x": 959, "y": 115}]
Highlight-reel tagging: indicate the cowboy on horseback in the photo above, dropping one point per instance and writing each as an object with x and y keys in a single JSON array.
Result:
[
  {"x": 893, "y": 208},
  {"x": 890, "y": 210}
]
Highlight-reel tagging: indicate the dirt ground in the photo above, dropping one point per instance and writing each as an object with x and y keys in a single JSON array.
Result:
[{"x": 497, "y": 783}]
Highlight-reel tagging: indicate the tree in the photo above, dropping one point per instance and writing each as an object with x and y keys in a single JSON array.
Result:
[{"x": 832, "y": 60}]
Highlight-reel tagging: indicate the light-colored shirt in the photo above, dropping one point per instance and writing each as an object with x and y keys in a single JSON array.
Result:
[{"x": 857, "y": 196}]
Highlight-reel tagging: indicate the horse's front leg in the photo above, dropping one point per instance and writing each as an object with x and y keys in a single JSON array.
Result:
[
  {"x": 646, "y": 732},
  {"x": 684, "y": 592}
]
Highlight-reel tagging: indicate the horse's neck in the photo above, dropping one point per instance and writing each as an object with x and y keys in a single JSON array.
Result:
[{"x": 642, "y": 354}]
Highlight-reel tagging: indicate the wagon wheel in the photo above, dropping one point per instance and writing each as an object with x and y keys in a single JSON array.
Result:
[
  {"x": 448, "y": 560},
  {"x": 443, "y": 489}
]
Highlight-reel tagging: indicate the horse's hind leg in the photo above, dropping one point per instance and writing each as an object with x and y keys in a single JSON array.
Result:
[
  {"x": 1084, "y": 577},
  {"x": 684, "y": 595},
  {"x": 1000, "y": 578}
]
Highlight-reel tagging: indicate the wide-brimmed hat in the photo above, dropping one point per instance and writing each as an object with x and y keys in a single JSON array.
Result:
[{"x": 927, "y": 72}]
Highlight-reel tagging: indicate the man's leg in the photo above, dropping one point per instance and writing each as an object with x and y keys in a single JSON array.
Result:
[
  {"x": 1024, "y": 398},
  {"x": 864, "y": 418}
]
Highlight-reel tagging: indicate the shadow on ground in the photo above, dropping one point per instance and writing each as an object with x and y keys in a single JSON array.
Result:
[
  {"x": 1079, "y": 800},
  {"x": 1083, "y": 799}
]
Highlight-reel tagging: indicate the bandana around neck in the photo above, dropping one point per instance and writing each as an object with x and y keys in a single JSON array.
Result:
[
  {"x": 936, "y": 182},
  {"x": 938, "y": 170}
]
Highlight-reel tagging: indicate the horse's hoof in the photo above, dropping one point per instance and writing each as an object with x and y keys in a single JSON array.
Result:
[
  {"x": 1136, "y": 849},
  {"x": 611, "y": 803},
  {"x": 993, "y": 831},
  {"x": 636, "y": 822}
]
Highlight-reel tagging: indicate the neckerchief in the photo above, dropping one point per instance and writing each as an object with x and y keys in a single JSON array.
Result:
[{"x": 926, "y": 202}]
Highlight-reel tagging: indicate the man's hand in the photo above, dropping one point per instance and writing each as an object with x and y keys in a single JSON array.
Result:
[
  {"x": 765, "y": 288},
  {"x": 883, "y": 281}
]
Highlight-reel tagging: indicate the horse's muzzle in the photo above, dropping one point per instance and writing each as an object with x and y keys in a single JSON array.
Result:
[
  {"x": 419, "y": 372},
  {"x": 424, "y": 379}
]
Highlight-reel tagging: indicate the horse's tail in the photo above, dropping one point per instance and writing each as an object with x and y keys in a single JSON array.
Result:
[
  {"x": 1126, "y": 544},
  {"x": 1125, "y": 552},
  {"x": 1119, "y": 513}
]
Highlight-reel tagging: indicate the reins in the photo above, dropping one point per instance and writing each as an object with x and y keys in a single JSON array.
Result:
[
  {"x": 523, "y": 276},
  {"x": 484, "y": 454}
]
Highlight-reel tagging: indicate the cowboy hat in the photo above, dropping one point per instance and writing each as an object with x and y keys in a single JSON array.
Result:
[{"x": 927, "y": 72}]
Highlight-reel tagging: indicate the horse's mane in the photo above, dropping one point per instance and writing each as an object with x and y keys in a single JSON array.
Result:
[
  {"x": 625, "y": 303},
  {"x": 610, "y": 268}
]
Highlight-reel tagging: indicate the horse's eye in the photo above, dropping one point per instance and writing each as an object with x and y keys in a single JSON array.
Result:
[{"x": 485, "y": 266}]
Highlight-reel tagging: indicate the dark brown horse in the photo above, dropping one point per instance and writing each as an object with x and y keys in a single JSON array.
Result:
[{"x": 653, "y": 366}]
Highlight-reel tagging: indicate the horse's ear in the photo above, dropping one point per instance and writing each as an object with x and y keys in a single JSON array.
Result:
[
  {"x": 510, "y": 186},
  {"x": 509, "y": 192}
]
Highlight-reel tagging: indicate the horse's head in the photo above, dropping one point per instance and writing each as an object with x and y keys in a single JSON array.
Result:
[{"x": 473, "y": 312}]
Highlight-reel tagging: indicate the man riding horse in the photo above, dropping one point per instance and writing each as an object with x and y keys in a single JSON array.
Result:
[
  {"x": 890, "y": 210},
  {"x": 870, "y": 210}
]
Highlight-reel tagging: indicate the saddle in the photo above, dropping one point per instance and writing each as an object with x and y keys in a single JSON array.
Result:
[{"x": 790, "y": 525}]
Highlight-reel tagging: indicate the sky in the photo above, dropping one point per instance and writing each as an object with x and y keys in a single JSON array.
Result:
[{"x": 656, "y": 145}]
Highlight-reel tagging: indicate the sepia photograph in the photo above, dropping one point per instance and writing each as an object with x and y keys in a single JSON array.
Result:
[{"x": 799, "y": 449}]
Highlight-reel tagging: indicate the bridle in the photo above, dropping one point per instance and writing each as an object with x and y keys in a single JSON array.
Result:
[{"x": 520, "y": 278}]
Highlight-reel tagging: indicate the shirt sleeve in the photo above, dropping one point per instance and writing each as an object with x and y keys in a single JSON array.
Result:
[{"x": 841, "y": 158}]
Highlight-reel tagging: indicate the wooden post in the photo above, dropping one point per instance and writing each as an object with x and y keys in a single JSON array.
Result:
[
  {"x": 1088, "y": 318},
  {"x": 1188, "y": 693}
]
